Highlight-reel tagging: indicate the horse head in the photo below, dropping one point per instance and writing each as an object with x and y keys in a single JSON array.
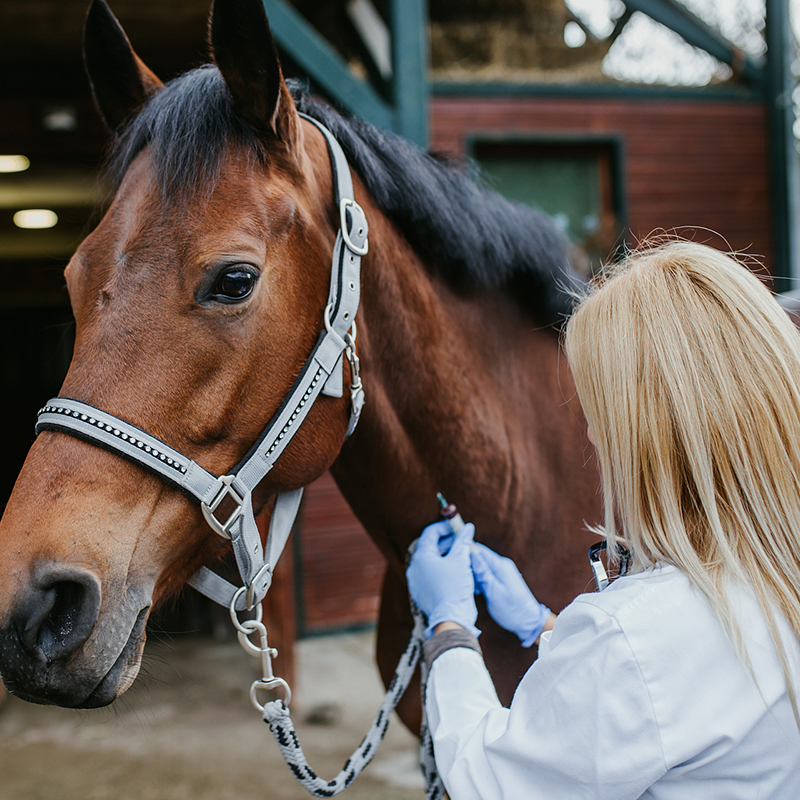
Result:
[{"x": 197, "y": 299}]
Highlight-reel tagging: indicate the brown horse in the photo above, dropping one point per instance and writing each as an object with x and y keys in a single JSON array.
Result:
[{"x": 197, "y": 299}]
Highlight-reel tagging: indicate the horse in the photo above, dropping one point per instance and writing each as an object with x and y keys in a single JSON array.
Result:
[{"x": 198, "y": 297}]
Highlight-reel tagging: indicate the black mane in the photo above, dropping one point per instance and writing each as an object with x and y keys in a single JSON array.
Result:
[{"x": 474, "y": 238}]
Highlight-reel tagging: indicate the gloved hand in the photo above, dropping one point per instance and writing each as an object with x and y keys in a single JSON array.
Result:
[
  {"x": 442, "y": 586},
  {"x": 509, "y": 601}
]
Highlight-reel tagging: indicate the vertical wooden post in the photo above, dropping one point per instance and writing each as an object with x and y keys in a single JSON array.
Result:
[{"x": 279, "y": 611}]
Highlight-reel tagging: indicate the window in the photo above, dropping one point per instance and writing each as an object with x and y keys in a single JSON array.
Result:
[{"x": 576, "y": 181}]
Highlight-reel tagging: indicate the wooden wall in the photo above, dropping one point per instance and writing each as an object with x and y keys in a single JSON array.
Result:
[
  {"x": 696, "y": 163},
  {"x": 340, "y": 569}
]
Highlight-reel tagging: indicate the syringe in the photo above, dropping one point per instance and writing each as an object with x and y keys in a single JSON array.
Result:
[
  {"x": 454, "y": 520},
  {"x": 450, "y": 513}
]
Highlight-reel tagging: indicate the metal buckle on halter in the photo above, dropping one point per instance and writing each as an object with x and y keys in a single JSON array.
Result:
[
  {"x": 226, "y": 490},
  {"x": 259, "y": 586},
  {"x": 359, "y": 218}
]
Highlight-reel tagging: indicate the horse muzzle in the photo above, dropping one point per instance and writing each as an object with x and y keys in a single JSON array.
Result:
[{"x": 46, "y": 650}]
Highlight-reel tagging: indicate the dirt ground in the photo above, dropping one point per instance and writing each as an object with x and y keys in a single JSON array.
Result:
[{"x": 187, "y": 731}]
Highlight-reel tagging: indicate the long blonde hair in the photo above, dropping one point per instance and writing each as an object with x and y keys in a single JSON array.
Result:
[{"x": 688, "y": 372}]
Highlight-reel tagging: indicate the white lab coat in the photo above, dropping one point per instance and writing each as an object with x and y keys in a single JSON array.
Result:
[{"x": 639, "y": 694}]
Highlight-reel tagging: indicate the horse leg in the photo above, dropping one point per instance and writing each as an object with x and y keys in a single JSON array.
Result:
[{"x": 395, "y": 624}]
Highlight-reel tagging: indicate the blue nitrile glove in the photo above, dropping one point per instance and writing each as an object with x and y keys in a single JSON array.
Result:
[
  {"x": 442, "y": 586},
  {"x": 509, "y": 601}
]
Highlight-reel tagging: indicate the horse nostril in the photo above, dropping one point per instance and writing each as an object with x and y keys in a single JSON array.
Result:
[
  {"x": 59, "y": 624},
  {"x": 58, "y": 616}
]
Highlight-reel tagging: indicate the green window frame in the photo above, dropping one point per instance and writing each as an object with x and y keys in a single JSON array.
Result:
[{"x": 575, "y": 179}]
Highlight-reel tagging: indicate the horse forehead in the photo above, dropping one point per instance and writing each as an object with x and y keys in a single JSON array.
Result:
[
  {"x": 241, "y": 215},
  {"x": 141, "y": 231},
  {"x": 241, "y": 200},
  {"x": 251, "y": 196}
]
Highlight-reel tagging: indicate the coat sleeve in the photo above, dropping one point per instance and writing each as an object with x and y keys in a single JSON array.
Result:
[{"x": 581, "y": 724}]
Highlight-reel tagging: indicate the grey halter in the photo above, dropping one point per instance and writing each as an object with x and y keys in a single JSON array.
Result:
[{"x": 322, "y": 373}]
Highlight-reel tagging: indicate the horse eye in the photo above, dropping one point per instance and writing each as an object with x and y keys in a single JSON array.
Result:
[{"x": 234, "y": 285}]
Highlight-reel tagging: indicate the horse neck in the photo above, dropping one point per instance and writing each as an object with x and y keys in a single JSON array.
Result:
[{"x": 442, "y": 375}]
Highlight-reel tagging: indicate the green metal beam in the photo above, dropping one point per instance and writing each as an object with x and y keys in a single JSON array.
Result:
[
  {"x": 722, "y": 93},
  {"x": 327, "y": 68},
  {"x": 407, "y": 114},
  {"x": 620, "y": 24},
  {"x": 410, "y": 69},
  {"x": 695, "y": 31},
  {"x": 784, "y": 166}
]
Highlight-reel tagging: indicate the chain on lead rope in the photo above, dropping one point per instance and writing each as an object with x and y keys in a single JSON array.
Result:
[
  {"x": 276, "y": 712},
  {"x": 244, "y": 630}
]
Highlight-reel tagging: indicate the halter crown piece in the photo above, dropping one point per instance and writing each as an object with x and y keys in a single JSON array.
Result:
[{"x": 322, "y": 373}]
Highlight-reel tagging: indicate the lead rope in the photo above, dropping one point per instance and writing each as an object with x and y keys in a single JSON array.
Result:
[{"x": 276, "y": 713}]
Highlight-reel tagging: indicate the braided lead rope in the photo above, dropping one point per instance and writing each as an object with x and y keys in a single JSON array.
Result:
[{"x": 276, "y": 715}]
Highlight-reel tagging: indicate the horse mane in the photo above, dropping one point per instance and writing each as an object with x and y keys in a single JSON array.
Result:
[{"x": 472, "y": 237}]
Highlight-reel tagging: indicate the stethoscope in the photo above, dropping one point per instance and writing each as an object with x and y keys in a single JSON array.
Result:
[{"x": 601, "y": 578}]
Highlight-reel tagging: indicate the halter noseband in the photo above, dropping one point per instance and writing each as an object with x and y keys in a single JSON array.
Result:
[{"x": 322, "y": 373}]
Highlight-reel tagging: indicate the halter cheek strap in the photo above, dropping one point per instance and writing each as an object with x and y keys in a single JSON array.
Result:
[{"x": 321, "y": 373}]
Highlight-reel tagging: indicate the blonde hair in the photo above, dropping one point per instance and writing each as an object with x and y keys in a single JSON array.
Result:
[{"x": 688, "y": 372}]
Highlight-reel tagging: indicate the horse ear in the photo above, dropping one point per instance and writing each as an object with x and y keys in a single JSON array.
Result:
[
  {"x": 244, "y": 50},
  {"x": 121, "y": 82}
]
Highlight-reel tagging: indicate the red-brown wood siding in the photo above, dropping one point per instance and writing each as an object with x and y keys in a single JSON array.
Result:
[
  {"x": 341, "y": 567},
  {"x": 686, "y": 163}
]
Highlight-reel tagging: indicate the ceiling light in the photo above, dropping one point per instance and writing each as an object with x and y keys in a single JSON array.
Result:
[
  {"x": 60, "y": 118},
  {"x": 35, "y": 218},
  {"x": 14, "y": 163}
]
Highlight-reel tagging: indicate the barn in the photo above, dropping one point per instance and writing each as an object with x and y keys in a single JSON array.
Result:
[{"x": 515, "y": 89}]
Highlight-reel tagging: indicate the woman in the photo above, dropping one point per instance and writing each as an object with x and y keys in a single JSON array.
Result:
[{"x": 680, "y": 679}]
